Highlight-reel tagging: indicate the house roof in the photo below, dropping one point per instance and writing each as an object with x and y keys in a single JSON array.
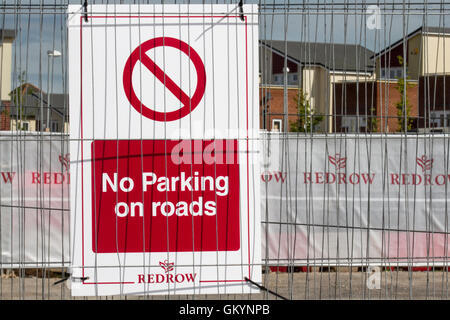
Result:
[
  {"x": 422, "y": 29},
  {"x": 31, "y": 102},
  {"x": 332, "y": 56}
]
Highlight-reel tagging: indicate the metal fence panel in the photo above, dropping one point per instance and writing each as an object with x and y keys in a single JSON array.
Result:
[{"x": 344, "y": 89}]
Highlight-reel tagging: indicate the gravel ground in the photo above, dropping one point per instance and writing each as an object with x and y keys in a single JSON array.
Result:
[{"x": 299, "y": 285}]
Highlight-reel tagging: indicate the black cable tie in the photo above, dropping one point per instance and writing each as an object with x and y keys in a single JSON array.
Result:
[
  {"x": 241, "y": 10},
  {"x": 85, "y": 4},
  {"x": 69, "y": 277},
  {"x": 265, "y": 289}
]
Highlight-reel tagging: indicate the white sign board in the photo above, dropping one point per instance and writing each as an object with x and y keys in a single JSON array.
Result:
[{"x": 165, "y": 177}]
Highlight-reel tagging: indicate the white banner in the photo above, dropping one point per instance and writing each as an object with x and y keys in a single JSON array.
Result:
[
  {"x": 34, "y": 200},
  {"x": 314, "y": 202},
  {"x": 355, "y": 199}
]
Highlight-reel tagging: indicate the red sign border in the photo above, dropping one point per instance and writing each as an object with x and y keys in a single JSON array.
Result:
[{"x": 82, "y": 139}]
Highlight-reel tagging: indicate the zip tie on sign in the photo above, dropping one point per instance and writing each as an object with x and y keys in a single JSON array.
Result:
[
  {"x": 241, "y": 10},
  {"x": 265, "y": 289},
  {"x": 85, "y": 4}
]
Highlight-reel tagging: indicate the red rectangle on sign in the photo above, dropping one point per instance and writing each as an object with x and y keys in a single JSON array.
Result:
[{"x": 165, "y": 195}]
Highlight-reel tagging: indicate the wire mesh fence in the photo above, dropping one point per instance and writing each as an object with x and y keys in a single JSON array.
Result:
[{"x": 353, "y": 143}]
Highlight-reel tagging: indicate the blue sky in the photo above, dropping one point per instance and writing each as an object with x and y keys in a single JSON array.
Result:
[{"x": 321, "y": 21}]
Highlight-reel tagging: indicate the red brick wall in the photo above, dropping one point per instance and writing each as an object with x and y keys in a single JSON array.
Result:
[
  {"x": 275, "y": 105},
  {"x": 388, "y": 96},
  {"x": 5, "y": 116},
  {"x": 382, "y": 94}
]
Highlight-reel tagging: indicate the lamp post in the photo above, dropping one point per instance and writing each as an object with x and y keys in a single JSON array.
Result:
[
  {"x": 285, "y": 98},
  {"x": 50, "y": 54}
]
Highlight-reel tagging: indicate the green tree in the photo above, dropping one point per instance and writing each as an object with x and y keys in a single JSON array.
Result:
[
  {"x": 372, "y": 122},
  {"x": 403, "y": 106},
  {"x": 307, "y": 119}
]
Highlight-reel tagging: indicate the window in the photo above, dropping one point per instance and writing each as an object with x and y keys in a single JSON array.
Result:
[
  {"x": 54, "y": 125},
  {"x": 25, "y": 125},
  {"x": 276, "y": 79},
  {"x": 353, "y": 123},
  {"x": 440, "y": 118},
  {"x": 391, "y": 73},
  {"x": 276, "y": 125},
  {"x": 293, "y": 79}
]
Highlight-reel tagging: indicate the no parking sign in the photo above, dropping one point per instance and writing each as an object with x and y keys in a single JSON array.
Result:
[
  {"x": 188, "y": 104},
  {"x": 164, "y": 160}
]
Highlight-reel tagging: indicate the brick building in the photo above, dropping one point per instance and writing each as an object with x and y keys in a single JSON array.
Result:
[
  {"x": 356, "y": 90},
  {"x": 31, "y": 112},
  {"x": 423, "y": 55},
  {"x": 312, "y": 68},
  {"x": 424, "y": 52}
]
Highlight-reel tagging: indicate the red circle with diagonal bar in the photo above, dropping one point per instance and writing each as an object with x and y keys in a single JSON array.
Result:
[{"x": 189, "y": 104}]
